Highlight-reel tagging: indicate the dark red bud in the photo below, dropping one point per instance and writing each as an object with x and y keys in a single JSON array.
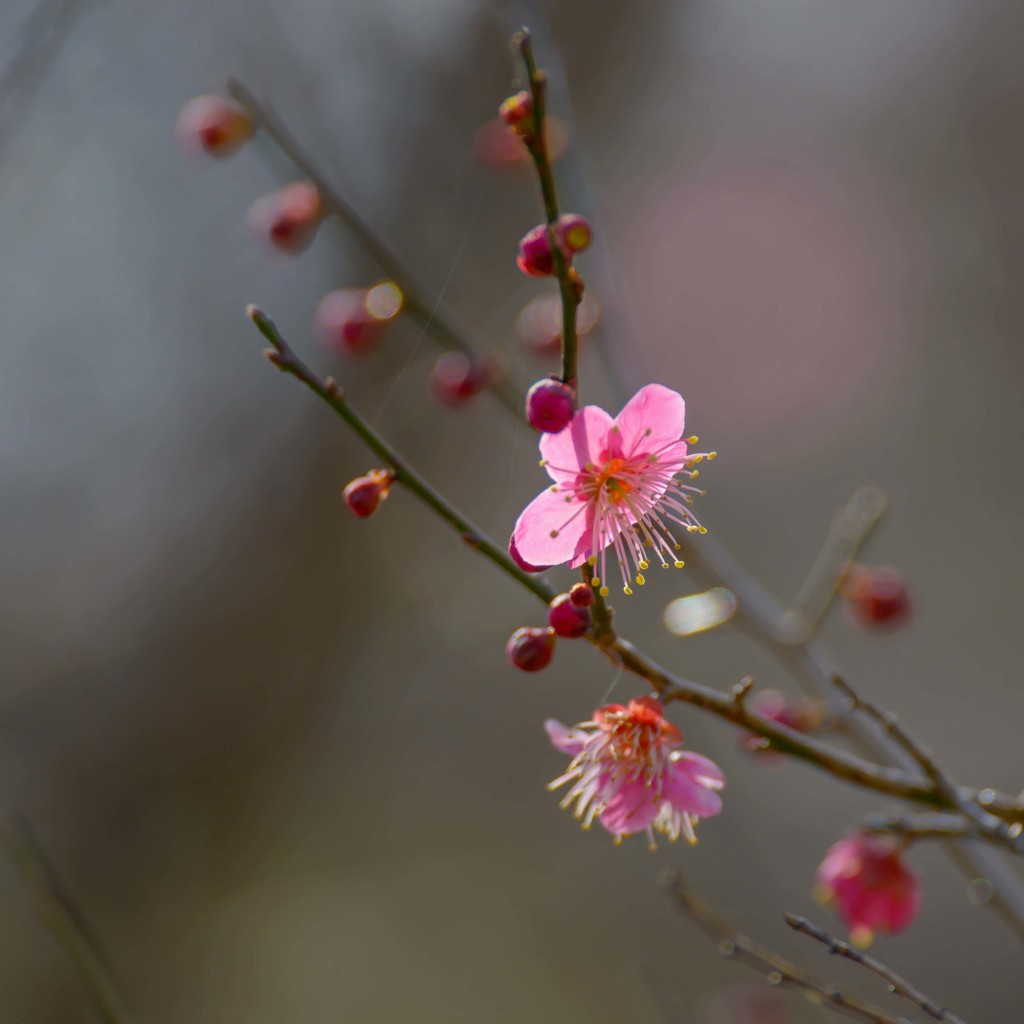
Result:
[
  {"x": 214, "y": 125},
  {"x": 530, "y": 648},
  {"x": 582, "y": 595},
  {"x": 567, "y": 619},
  {"x": 517, "y": 112},
  {"x": 364, "y": 494},
  {"x": 535, "y": 256},
  {"x": 877, "y": 595},
  {"x": 550, "y": 405}
]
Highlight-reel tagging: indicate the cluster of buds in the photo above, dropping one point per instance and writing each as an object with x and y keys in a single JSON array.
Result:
[
  {"x": 532, "y": 648},
  {"x": 571, "y": 233}
]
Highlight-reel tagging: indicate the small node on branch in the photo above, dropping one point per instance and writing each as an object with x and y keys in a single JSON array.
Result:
[{"x": 741, "y": 691}]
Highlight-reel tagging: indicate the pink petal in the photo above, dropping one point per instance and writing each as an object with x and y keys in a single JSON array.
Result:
[
  {"x": 549, "y": 513},
  {"x": 583, "y": 441},
  {"x": 653, "y": 418},
  {"x": 631, "y": 810},
  {"x": 567, "y": 740},
  {"x": 685, "y": 792},
  {"x": 699, "y": 767}
]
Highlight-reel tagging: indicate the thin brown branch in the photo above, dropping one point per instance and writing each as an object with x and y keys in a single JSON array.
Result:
[
  {"x": 897, "y": 985},
  {"x": 779, "y": 971},
  {"x": 922, "y": 826}
]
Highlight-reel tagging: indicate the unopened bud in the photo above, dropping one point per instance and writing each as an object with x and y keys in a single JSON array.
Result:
[
  {"x": 289, "y": 217},
  {"x": 351, "y": 320},
  {"x": 582, "y": 595},
  {"x": 550, "y": 405},
  {"x": 365, "y": 493},
  {"x": 876, "y": 595},
  {"x": 211, "y": 124},
  {"x": 517, "y": 113},
  {"x": 457, "y": 377},
  {"x": 535, "y": 256},
  {"x": 531, "y": 649},
  {"x": 573, "y": 233},
  {"x": 567, "y": 619}
]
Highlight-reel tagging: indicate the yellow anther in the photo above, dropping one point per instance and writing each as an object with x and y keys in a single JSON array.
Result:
[
  {"x": 664, "y": 565},
  {"x": 592, "y": 560},
  {"x": 697, "y": 458},
  {"x": 644, "y": 565},
  {"x": 640, "y": 581},
  {"x": 595, "y": 581},
  {"x": 542, "y": 463},
  {"x": 692, "y": 440},
  {"x": 702, "y": 529},
  {"x": 554, "y": 533},
  {"x": 603, "y": 591},
  {"x": 711, "y": 455},
  {"x": 626, "y": 590},
  {"x": 695, "y": 474},
  {"x": 677, "y": 546},
  {"x": 679, "y": 564}
]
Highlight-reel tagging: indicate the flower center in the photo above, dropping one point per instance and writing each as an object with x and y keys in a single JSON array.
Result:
[{"x": 608, "y": 478}]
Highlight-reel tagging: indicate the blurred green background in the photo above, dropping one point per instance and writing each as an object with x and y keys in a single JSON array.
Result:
[{"x": 277, "y": 753}]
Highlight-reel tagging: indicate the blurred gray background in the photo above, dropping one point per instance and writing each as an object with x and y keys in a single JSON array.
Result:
[{"x": 277, "y": 753}]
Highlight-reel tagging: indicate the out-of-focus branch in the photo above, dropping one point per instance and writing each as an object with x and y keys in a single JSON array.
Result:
[
  {"x": 987, "y": 824},
  {"x": 569, "y": 284},
  {"x": 418, "y": 304},
  {"x": 851, "y": 527},
  {"x": 62, "y": 916},
  {"x": 922, "y": 826},
  {"x": 779, "y": 971},
  {"x": 897, "y": 984}
]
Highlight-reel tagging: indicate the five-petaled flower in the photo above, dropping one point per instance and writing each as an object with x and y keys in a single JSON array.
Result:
[
  {"x": 618, "y": 484},
  {"x": 865, "y": 879},
  {"x": 628, "y": 772}
]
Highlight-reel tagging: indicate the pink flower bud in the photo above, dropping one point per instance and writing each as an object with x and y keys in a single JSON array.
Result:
[
  {"x": 539, "y": 323},
  {"x": 582, "y": 595},
  {"x": 517, "y": 113},
  {"x": 513, "y": 552},
  {"x": 573, "y": 233},
  {"x": 567, "y": 619},
  {"x": 550, "y": 405},
  {"x": 804, "y": 714},
  {"x": 289, "y": 217},
  {"x": 531, "y": 649},
  {"x": 866, "y": 881},
  {"x": 877, "y": 595},
  {"x": 535, "y": 257},
  {"x": 365, "y": 493},
  {"x": 211, "y": 124},
  {"x": 350, "y": 321},
  {"x": 457, "y": 377}
]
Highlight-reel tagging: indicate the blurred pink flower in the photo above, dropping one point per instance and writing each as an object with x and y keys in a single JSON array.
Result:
[
  {"x": 616, "y": 484},
  {"x": 627, "y": 773},
  {"x": 872, "y": 890}
]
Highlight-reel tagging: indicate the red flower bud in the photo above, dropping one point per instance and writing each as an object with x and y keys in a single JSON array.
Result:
[
  {"x": 531, "y": 649},
  {"x": 517, "y": 113},
  {"x": 876, "y": 595},
  {"x": 567, "y": 619},
  {"x": 365, "y": 493},
  {"x": 535, "y": 256},
  {"x": 289, "y": 217},
  {"x": 582, "y": 595},
  {"x": 213, "y": 125},
  {"x": 351, "y": 320},
  {"x": 550, "y": 405},
  {"x": 573, "y": 233},
  {"x": 457, "y": 377}
]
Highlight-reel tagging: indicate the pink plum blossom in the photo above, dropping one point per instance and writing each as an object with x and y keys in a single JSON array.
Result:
[
  {"x": 627, "y": 772},
  {"x": 617, "y": 483},
  {"x": 872, "y": 890}
]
